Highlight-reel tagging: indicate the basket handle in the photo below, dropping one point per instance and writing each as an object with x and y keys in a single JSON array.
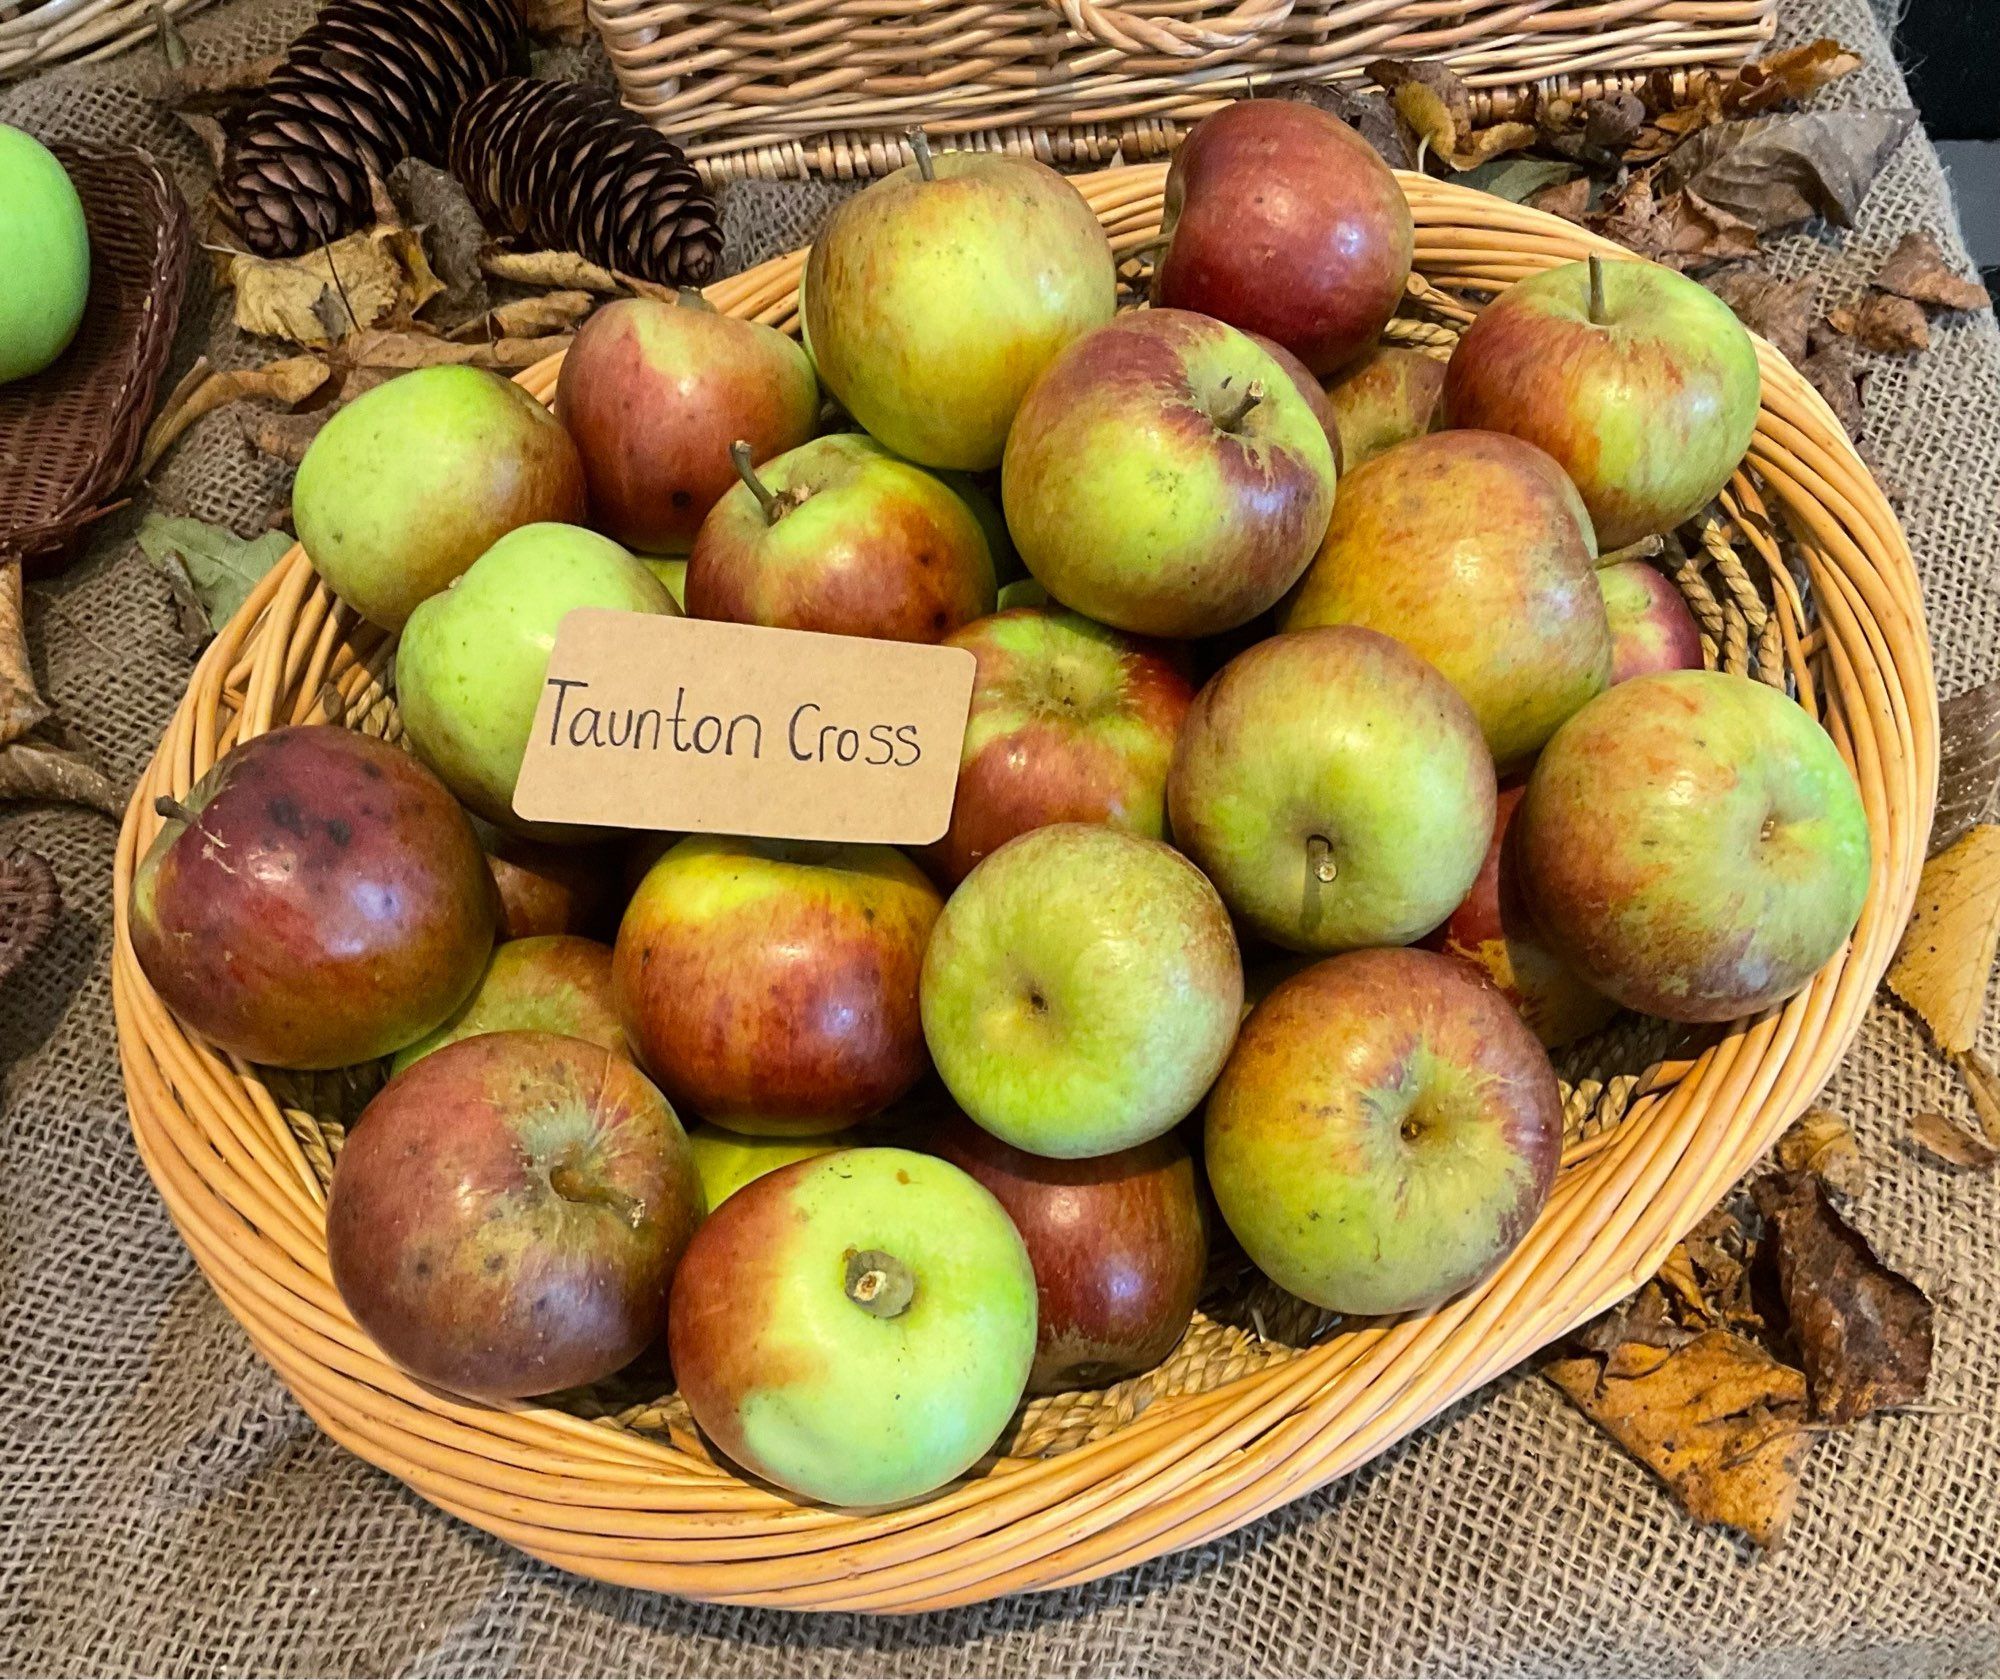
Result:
[{"x": 1169, "y": 37}]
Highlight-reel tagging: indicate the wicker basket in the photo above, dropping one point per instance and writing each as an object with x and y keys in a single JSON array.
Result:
[
  {"x": 37, "y": 33},
  {"x": 1805, "y": 579},
  {"x": 69, "y": 435},
  {"x": 827, "y": 87}
]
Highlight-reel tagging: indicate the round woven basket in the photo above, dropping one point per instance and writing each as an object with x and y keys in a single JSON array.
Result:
[{"x": 1800, "y": 577}]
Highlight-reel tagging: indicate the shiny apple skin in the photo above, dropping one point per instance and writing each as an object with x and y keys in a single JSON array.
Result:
[
  {"x": 655, "y": 393},
  {"x": 1119, "y": 1244},
  {"x": 554, "y": 983},
  {"x": 546, "y": 888},
  {"x": 865, "y": 544},
  {"x": 505, "y": 1218},
  {"x": 1385, "y": 1133},
  {"x": 1071, "y": 722},
  {"x": 771, "y": 986},
  {"x": 1387, "y": 397},
  {"x": 1282, "y": 220},
  {"x": 1651, "y": 627},
  {"x": 329, "y": 905}
]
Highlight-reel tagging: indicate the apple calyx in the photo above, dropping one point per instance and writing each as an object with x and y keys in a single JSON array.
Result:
[
  {"x": 920, "y": 143},
  {"x": 1232, "y": 418},
  {"x": 1599, "y": 315},
  {"x": 1319, "y": 859},
  {"x": 775, "y": 503},
  {"x": 878, "y": 1283}
]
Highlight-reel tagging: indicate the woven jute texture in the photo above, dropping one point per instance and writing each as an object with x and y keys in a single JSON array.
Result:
[{"x": 164, "y": 1507}]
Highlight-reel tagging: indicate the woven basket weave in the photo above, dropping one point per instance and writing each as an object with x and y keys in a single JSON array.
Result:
[
  {"x": 37, "y": 33},
  {"x": 1802, "y": 578},
  {"x": 827, "y": 87}
]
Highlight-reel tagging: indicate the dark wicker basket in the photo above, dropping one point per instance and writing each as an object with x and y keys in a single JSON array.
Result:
[{"x": 69, "y": 435}]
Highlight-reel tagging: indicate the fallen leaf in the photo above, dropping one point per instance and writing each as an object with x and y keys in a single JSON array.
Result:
[
  {"x": 1779, "y": 311},
  {"x": 287, "y": 437},
  {"x": 1832, "y": 371},
  {"x": 1719, "y": 1251},
  {"x": 1428, "y": 96},
  {"x": 1775, "y": 172},
  {"x": 1793, "y": 74},
  {"x": 1821, "y": 1144},
  {"x": 1946, "y": 957},
  {"x": 550, "y": 270},
  {"x": 1984, "y": 1085},
  {"x": 21, "y": 704},
  {"x": 1863, "y": 1329},
  {"x": 31, "y": 769},
  {"x": 1633, "y": 1335},
  {"x": 210, "y": 132},
  {"x": 1916, "y": 270},
  {"x": 1949, "y": 1145},
  {"x": 1370, "y": 115},
  {"x": 354, "y": 283},
  {"x": 1519, "y": 179},
  {"x": 210, "y": 86},
  {"x": 1571, "y": 200},
  {"x": 1968, "y": 764},
  {"x": 381, "y": 348},
  {"x": 532, "y": 317},
  {"x": 1719, "y": 1422},
  {"x": 1880, "y": 321},
  {"x": 1681, "y": 229},
  {"x": 221, "y": 567},
  {"x": 289, "y": 381},
  {"x": 1613, "y": 123}
]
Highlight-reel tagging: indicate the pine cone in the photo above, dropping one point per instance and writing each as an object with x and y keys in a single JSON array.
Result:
[
  {"x": 568, "y": 169},
  {"x": 370, "y": 83}
]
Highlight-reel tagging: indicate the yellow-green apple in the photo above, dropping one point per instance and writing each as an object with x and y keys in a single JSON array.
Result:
[
  {"x": 1493, "y": 931},
  {"x": 771, "y": 985},
  {"x": 471, "y": 664},
  {"x": 1639, "y": 381},
  {"x": 505, "y": 1218},
  {"x": 318, "y": 899},
  {"x": 655, "y": 393},
  {"x": 856, "y": 1328},
  {"x": 1081, "y": 990},
  {"x": 840, "y": 536},
  {"x": 546, "y": 888},
  {"x": 729, "y": 1160},
  {"x": 411, "y": 482},
  {"x": 1166, "y": 476},
  {"x": 1651, "y": 627},
  {"x": 1471, "y": 549},
  {"x": 933, "y": 298},
  {"x": 554, "y": 983},
  {"x": 1385, "y": 1133},
  {"x": 1119, "y": 1244},
  {"x": 1070, "y": 722},
  {"x": 1335, "y": 787},
  {"x": 1280, "y": 219},
  {"x": 45, "y": 279},
  {"x": 673, "y": 573},
  {"x": 1693, "y": 845},
  {"x": 1387, "y": 397}
]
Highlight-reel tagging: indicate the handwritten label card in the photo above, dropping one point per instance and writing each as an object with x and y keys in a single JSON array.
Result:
[{"x": 679, "y": 723}]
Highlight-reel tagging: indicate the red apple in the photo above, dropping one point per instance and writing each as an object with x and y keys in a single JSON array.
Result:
[
  {"x": 1385, "y": 1132},
  {"x": 771, "y": 986},
  {"x": 547, "y": 888},
  {"x": 1118, "y": 1243},
  {"x": 1282, "y": 220},
  {"x": 1493, "y": 931},
  {"x": 1310, "y": 388},
  {"x": 1167, "y": 476},
  {"x": 840, "y": 536},
  {"x": 1387, "y": 397},
  {"x": 1070, "y": 722},
  {"x": 1651, "y": 627},
  {"x": 655, "y": 393},
  {"x": 505, "y": 1218},
  {"x": 1640, "y": 382},
  {"x": 553, "y": 982},
  {"x": 320, "y": 900}
]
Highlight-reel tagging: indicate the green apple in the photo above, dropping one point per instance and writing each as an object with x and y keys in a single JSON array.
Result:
[
  {"x": 932, "y": 299},
  {"x": 857, "y": 1328},
  {"x": 44, "y": 256},
  {"x": 557, "y": 983},
  {"x": 470, "y": 666},
  {"x": 673, "y": 573},
  {"x": 729, "y": 1160},
  {"x": 1081, "y": 990},
  {"x": 413, "y": 481}
]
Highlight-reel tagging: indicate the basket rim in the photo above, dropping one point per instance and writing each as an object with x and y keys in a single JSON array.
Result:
[{"x": 634, "y": 1511}]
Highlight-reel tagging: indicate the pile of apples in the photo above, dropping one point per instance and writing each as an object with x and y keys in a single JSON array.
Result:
[{"x": 1325, "y": 658}]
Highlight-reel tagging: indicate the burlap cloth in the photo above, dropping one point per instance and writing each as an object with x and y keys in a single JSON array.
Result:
[{"x": 164, "y": 1506}]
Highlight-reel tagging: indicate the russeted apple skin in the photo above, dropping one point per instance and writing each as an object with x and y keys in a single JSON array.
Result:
[
  {"x": 1385, "y": 1133},
  {"x": 1694, "y": 846}
]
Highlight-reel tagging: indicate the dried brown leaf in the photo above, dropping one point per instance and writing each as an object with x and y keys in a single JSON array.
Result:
[
  {"x": 21, "y": 704},
  {"x": 1946, "y": 957},
  {"x": 1719, "y": 1421},
  {"x": 1680, "y": 230},
  {"x": 35, "y": 770},
  {"x": 1780, "y": 311},
  {"x": 1370, "y": 115},
  {"x": 1820, "y": 1143},
  {"x": 551, "y": 271},
  {"x": 289, "y": 380},
  {"x": 314, "y": 299},
  {"x": 1634, "y": 1335},
  {"x": 1863, "y": 1329},
  {"x": 381, "y": 348},
  {"x": 1880, "y": 321},
  {"x": 210, "y": 132},
  {"x": 1968, "y": 764},
  {"x": 1950, "y": 1145},
  {"x": 1613, "y": 123},
  {"x": 286, "y": 437},
  {"x": 1793, "y": 74},
  {"x": 1569, "y": 200},
  {"x": 1984, "y": 1085},
  {"x": 537, "y": 317},
  {"x": 1832, "y": 371},
  {"x": 1916, "y": 270},
  {"x": 1775, "y": 172}
]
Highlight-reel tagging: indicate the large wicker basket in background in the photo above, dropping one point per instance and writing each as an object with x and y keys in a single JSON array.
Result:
[
  {"x": 827, "y": 87},
  {"x": 1802, "y": 578}
]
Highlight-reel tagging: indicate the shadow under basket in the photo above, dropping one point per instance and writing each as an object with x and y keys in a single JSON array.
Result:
[{"x": 1799, "y": 576}]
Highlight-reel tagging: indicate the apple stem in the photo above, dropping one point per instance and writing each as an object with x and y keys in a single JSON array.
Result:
[
  {"x": 920, "y": 143},
  {"x": 1644, "y": 549},
  {"x": 1319, "y": 859},
  {"x": 1252, "y": 396},
  {"x": 1599, "y": 315},
  {"x": 772, "y": 504},
  {"x": 173, "y": 810},
  {"x": 878, "y": 1283}
]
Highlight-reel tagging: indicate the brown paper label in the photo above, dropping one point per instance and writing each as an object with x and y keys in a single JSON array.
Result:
[{"x": 647, "y": 721}]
